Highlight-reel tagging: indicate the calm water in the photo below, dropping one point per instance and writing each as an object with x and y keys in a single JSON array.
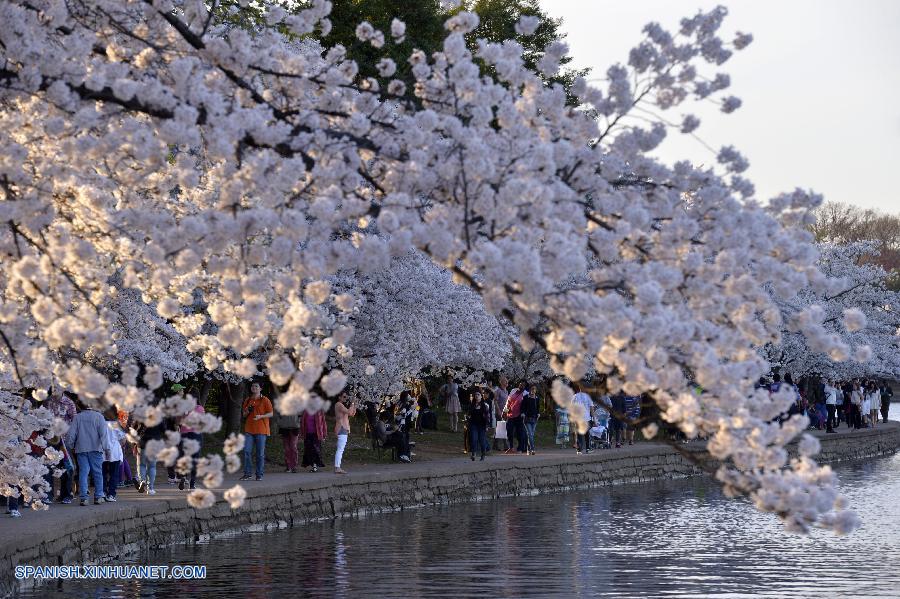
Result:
[{"x": 679, "y": 538}]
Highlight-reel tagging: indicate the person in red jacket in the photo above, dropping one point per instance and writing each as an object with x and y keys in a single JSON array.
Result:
[{"x": 313, "y": 432}]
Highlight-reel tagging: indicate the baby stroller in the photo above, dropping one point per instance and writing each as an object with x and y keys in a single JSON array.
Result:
[{"x": 599, "y": 433}]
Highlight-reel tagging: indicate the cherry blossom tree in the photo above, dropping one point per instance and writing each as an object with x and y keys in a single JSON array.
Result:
[
  {"x": 412, "y": 317},
  {"x": 140, "y": 137},
  {"x": 860, "y": 315}
]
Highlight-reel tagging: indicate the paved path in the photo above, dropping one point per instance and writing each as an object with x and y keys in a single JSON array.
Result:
[{"x": 44, "y": 524}]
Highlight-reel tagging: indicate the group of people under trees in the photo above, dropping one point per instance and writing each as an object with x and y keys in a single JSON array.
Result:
[
  {"x": 829, "y": 403},
  {"x": 94, "y": 450},
  {"x": 502, "y": 418}
]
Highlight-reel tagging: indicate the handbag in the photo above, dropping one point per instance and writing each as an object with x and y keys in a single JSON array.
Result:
[{"x": 501, "y": 430}]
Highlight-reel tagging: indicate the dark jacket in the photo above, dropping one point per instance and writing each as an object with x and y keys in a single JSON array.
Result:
[
  {"x": 619, "y": 406},
  {"x": 479, "y": 414},
  {"x": 530, "y": 407}
]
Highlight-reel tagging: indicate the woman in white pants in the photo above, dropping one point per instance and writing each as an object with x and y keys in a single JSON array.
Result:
[{"x": 343, "y": 410}]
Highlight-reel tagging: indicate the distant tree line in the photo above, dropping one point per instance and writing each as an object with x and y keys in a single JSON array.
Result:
[{"x": 842, "y": 223}]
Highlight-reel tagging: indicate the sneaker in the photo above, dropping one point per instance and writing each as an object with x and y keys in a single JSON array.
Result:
[
  {"x": 293, "y": 471},
  {"x": 618, "y": 445},
  {"x": 473, "y": 457},
  {"x": 14, "y": 514},
  {"x": 181, "y": 484},
  {"x": 137, "y": 485},
  {"x": 482, "y": 459},
  {"x": 577, "y": 453},
  {"x": 171, "y": 481},
  {"x": 99, "y": 501},
  {"x": 315, "y": 469},
  {"x": 111, "y": 498},
  {"x": 151, "y": 491},
  {"x": 245, "y": 477},
  {"x": 82, "y": 502},
  {"x": 67, "y": 500},
  {"x": 631, "y": 442},
  {"x": 405, "y": 458},
  {"x": 258, "y": 477},
  {"x": 192, "y": 487},
  {"x": 340, "y": 471}
]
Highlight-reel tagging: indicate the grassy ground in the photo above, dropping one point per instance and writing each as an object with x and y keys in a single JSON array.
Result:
[{"x": 431, "y": 445}]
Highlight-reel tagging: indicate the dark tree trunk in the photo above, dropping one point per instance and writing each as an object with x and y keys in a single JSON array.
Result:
[
  {"x": 203, "y": 394},
  {"x": 235, "y": 395}
]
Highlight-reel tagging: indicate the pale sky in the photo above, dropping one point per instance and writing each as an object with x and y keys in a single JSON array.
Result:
[{"x": 820, "y": 85}]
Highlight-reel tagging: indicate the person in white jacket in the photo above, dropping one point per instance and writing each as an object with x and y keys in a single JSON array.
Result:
[
  {"x": 112, "y": 454},
  {"x": 873, "y": 396},
  {"x": 831, "y": 406}
]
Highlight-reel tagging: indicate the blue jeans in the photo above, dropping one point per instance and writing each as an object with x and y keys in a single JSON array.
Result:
[
  {"x": 12, "y": 503},
  {"x": 111, "y": 477},
  {"x": 90, "y": 462},
  {"x": 530, "y": 425},
  {"x": 251, "y": 440},
  {"x": 477, "y": 439},
  {"x": 148, "y": 471}
]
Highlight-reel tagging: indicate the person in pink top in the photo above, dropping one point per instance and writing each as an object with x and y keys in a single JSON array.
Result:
[
  {"x": 515, "y": 423},
  {"x": 312, "y": 430}
]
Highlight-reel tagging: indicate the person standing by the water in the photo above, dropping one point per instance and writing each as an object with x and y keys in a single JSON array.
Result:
[
  {"x": 585, "y": 405},
  {"x": 449, "y": 392},
  {"x": 257, "y": 410},
  {"x": 856, "y": 405},
  {"x": 531, "y": 413},
  {"x": 874, "y": 402},
  {"x": 632, "y": 413},
  {"x": 63, "y": 407},
  {"x": 313, "y": 432},
  {"x": 343, "y": 411},
  {"x": 87, "y": 438},
  {"x": 500, "y": 397},
  {"x": 112, "y": 454},
  {"x": 289, "y": 429},
  {"x": 515, "y": 427},
  {"x": 886, "y": 394},
  {"x": 189, "y": 433},
  {"x": 479, "y": 417},
  {"x": 831, "y": 406}
]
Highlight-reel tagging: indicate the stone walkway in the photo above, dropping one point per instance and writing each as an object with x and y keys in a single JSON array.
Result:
[{"x": 61, "y": 519}]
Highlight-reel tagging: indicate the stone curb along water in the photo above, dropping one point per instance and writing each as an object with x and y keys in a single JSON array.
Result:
[{"x": 97, "y": 535}]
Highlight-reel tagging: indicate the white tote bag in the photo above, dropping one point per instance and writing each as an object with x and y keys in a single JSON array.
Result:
[{"x": 501, "y": 430}]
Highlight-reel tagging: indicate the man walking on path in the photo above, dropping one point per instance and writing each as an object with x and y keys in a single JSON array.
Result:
[
  {"x": 584, "y": 400},
  {"x": 257, "y": 410},
  {"x": 87, "y": 438}
]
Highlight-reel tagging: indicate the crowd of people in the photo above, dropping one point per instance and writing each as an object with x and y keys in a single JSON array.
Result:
[
  {"x": 94, "y": 450},
  {"x": 499, "y": 418},
  {"x": 829, "y": 403}
]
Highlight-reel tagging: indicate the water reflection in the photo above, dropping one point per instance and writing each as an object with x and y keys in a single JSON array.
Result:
[{"x": 678, "y": 538}]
